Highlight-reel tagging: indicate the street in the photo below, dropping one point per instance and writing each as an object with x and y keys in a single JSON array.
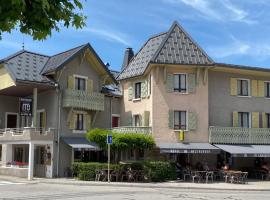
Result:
[{"x": 42, "y": 191}]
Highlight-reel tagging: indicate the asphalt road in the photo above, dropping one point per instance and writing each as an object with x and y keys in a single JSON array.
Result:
[{"x": 43, "y": 191}]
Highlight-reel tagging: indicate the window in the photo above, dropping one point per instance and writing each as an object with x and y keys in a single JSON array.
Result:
[
  {"x": 267, "y": 89},
  {"x": 137, "y": 120},
  {"x": 80, "y": 83},
  {"x": 243, "y": 87},
  {"x": 138, "y": 90},
  {"x": 243, "y": 119},
  {"x": 180, "y": 83},
  {"x": 180, "y": 120},
  {"x": 79, "y": 122},
  {"x": 267, "y": 120}
]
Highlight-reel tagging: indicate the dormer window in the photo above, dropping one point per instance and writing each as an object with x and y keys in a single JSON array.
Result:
[{"x": 80, "y": 83}]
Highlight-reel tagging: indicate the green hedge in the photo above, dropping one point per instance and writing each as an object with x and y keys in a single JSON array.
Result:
[{"x": 156, "y": 171}]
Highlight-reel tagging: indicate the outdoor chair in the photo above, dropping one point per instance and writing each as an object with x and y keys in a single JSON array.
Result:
[
  {"x": 209, "y": 175},
  {"x": 196, "y": 175},
  {"x": 186, "y": 174},
  {"x": 243, "y": 178},
  {"x": 114, "y": 175}
]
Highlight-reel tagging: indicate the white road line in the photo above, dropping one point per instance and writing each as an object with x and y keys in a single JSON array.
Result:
[{"x": 10, "y": 183}]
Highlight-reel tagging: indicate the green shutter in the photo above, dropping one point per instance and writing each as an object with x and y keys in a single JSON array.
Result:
[
  {"x": 169, "y": 82},
  {"x": 192, "y": 121},
  {"x": 43, "y": 120},
  {"x": 255, "y": 119},
  {"x": 191, "y": 83},
  {"x": 170, "y": 119},
  {"x": 129, "y": 119},
  {"x": 130, "y": 92},
  {"x": 72, "y": 123},
  {"x": 235, "y": 119},
  {"x": 87, "y": 122},
  {"x": 261, "y": 88},
  {"x": 146, "y": 115},
  {"x": 144, "y": 86},
  {"x": 233, "y": 83},
  {"x": 254, "y": 88},
  {"x": 89, "y": 86},
  {"x": 71, "y": 81}
]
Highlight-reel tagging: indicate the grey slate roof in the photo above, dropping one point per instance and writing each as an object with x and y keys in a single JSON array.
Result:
[
  {"x": 172, "y": 47},
  {"x": 26, "y": 66},
  {"x": 55, "y": 61}
]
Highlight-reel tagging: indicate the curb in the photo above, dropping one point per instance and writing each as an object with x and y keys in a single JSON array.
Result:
[{"x": 152, "y": 186}]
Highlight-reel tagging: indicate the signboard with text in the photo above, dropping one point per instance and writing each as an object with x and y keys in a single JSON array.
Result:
[{"x": 26, "y": 105}]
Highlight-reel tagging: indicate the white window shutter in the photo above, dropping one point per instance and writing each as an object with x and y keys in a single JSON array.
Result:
[
  {"x": 192, "y": 121},
  {"x": 169, "y": 82},
  {"x": 191, "y": 83}
]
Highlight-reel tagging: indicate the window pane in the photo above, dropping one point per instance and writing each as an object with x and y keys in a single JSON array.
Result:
[
  {"x": 138, "y": 90},
  {"x": 245, "y": 120},
  {"x": 176, "y": 82},
  {"x": 77, "y": 83},
  {"x": 176, "y": 120},
  {"x": 183, "y": 120},
  {"x": 245, "y": 87},
  {"x": 183, "y": 82},
  {"x": 267, "y": 89},
  {"x": 239, "y": 119},
  {"x": 267, "y": 120},
  {"x": 82, "y": 84}
]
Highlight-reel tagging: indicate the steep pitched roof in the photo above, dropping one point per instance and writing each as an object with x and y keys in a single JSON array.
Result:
[
  {"x": 173, "y": 47},
  {"x": 26, "y": 66},
  {"x": 59, "y": 59}
]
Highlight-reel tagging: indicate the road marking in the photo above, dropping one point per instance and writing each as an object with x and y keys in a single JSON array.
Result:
[{"x": 10, "y": 183}]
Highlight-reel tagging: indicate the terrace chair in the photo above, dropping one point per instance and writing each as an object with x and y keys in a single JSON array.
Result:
[
  {"x": 209, "y": 175},
  {"x": 114, "y": 175},
  {"x": 98, "y": 175},
  {"x": 186, "y": 174},
  {"x": 195, "y": 175},
  {"x": 243, "y": 178}
]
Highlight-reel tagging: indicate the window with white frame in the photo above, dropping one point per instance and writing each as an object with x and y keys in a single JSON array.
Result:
[
  {"x": 79, "y": 121},
  {"x": 137, "y": 120},
  {"x": 138, "y": 90},
  {"x": 243, "y": 87},
  {"x": 80, "y": 83},
  {"x": 180, "y": 120},
  {"x": 180, "y": 83},
  {"x": 244, "y": 119},
  {"x": 267, "y": 89}
]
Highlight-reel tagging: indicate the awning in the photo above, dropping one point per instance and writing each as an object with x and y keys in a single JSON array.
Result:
[
  {"x": 192, "y": 148},
  {"x": 80, "y": 143},
  {"x": 246, "y": 150}
]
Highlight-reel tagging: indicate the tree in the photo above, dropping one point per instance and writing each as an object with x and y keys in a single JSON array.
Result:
[{"x": 39, "y": 17}]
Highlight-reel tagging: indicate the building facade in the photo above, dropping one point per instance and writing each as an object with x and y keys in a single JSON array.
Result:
[{"x": 67, "y": 94}]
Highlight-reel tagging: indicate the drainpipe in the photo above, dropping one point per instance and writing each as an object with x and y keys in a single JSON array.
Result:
[
  {"x": 34, "y": 122},
  {"x": 58, "y": 129}
]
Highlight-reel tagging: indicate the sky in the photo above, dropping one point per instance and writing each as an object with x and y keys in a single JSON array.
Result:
[{"x": 230, "y": 31}]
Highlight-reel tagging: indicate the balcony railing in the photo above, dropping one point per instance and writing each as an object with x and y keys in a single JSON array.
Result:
[
  {"x": 83, "y": 100},
  {"x": 133, "y": 129},
  {"x": 238, "y": 135},
  {"x": 28, "y": 133}
]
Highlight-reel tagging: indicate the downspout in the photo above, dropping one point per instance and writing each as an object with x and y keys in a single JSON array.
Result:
[{"x": 58, "y": 129}]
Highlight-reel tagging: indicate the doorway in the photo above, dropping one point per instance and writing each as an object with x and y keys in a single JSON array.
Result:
[
  {"x": 12, "y": 120},
  {"x": 39, "y": 161}
]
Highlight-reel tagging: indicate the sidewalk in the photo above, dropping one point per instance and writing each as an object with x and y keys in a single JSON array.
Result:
[{"x": 251, "y": 186}]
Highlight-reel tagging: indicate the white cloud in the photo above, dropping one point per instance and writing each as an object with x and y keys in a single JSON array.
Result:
[
  {"x": 223, "y": 10},
  {"x": 109, "y": 35}
]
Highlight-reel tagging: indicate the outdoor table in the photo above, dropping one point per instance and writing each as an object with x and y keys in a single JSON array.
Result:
[{"x": 229, "y": 173}]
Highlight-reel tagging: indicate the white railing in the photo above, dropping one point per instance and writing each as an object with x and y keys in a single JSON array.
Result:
[
  {"x": 133, "y": 129},
  {"x": 238, "y": 135}
]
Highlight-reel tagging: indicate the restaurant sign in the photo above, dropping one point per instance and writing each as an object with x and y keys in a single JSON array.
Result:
[{"x": 26, "y": 106}]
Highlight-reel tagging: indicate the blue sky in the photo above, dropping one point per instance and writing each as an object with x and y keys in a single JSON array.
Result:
[{"x": 230, "y": 31}]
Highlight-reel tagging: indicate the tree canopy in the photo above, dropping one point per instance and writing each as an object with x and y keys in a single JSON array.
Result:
[
  {"x": 39, "y": 17},
  {"x": 121, "y": 141}
]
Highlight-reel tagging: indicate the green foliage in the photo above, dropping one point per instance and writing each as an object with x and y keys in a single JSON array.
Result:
[
  {"x": 38, "y": 18},
  {"x": 156, "y": 171},
  {"x": 121, "y": 141}
]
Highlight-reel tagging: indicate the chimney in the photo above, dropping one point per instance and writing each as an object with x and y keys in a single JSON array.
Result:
[{"x": 127, "y": 57}]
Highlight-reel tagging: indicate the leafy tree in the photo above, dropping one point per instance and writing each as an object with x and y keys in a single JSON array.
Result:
[{"x": 39, "y": 17}]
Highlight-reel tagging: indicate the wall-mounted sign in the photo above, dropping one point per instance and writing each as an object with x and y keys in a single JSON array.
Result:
[{"x": 26, "y": 106}]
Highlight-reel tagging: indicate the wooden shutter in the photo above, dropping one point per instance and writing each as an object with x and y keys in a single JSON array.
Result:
[
  {"x": 261, "y": 88},
  {"x": 233, "y": 86},
  {"x": 192, "y": 121},
  {"x": 129, "y": 119},
  {"x": 89, "y": 86},
  {"x": 144, "y": 86},
  {"x": 71, "y": 81},
  {"x": 235, "y": 119},
  {"x": 255, "y": 119},
  {"x": 87, "y": 122},
  {"x": 191, "y": 83},
  {"x": 130, "y": 92},
  {"x": 264, "y": 122},
  {"x": 170, "y": 119},
  {"x": 254, "y": 88},
  {"x": 146, "y": 115},
  {"x": 72, "y": 123},
  {"x": 169, "y": 82}
]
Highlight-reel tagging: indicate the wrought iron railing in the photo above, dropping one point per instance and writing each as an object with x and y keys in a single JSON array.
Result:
[
  {"x": 83, "y": 100},
  {"x": 238, "y": 135},
  {"x": 133, "y": 129}
]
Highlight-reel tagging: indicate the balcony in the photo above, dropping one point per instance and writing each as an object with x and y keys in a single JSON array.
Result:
[
  {"x": 26, "y": 134},
  {"x": 237, "y": 135},
  {"x": 134, "y": 129},
  {"x": 83, "y": 100}
]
